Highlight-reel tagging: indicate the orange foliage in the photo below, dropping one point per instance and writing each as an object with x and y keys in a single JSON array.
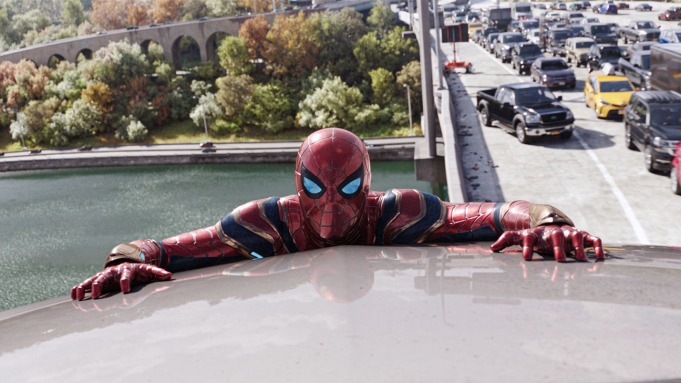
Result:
[
  {"x": 166, "y": 10},
  {"x": 291, "y": 49},
  {"x": 254, "y": 31},
  {"x": 99, "y": 94}
]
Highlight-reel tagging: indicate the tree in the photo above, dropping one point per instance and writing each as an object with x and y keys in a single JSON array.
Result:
[
  {"x": 137, "y": 13},
  {"x": 233, "y": 56},
  {"x": 334, "y": 104},
  {"x": 72, "y": 13},
  {"x": 291, "y": 49},
  {"x": 110, "y": 14},
  {"x": 234, "y": 93},
  {"x": 206, "y": 110},
  {"x": 336, "y": 34},
  {"x": 118, "y": 64},
  {"x": 254, "y": 31},
  {"x": 382, "y": 86},
  {"x": 411, "y": 76},
  {"x": 368, "y": 52},
  {"x": 99, "y": 94},
  {"x": 219, "y": 8},
  {"x": 166, "y": 10},
  {"x": 381, "y": 17},
  {"x": 270, "y": 108}
]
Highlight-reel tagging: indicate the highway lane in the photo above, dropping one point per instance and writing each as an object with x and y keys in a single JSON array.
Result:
[{"x": 602, "y": 185}]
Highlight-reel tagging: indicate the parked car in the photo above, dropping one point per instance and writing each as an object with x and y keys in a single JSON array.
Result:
[
  {"x": 652, "y": 124},
  {"x": 622, "y": 6},
  {"x": 675, "y": 173},
  {"x": 601, "y": 54},
  {"x": 643, "y": 7},
  {"x": 526, "y": 109},
  {"x": 524, "y": 55},
  {"x": 576, "y": 6},
  {"x": 670, "y": 36},
  {"x": 673, "y": 13},
  {"x": 504, "y": 45},
  {"x": 607, "y": 95},
  {"x": 590, "y": 20},
  {"x": 577, "y": 50},
  {"x": 553, "y": 72},
  {"x": 607, "y": 9}
]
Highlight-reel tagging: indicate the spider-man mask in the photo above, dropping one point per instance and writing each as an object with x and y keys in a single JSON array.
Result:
[{"x": 333, "y": 175}]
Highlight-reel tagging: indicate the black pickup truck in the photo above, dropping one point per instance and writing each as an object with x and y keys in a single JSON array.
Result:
[{"x": 526, "y": 109}]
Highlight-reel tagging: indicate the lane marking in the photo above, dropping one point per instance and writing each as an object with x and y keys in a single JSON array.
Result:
[
  {"x": 626, "y": 207},
  {"x": 621, "y": 199}
]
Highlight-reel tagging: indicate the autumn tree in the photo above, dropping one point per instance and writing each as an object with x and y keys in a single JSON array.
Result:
[
  {"x": 291, "y": 50},
  {"x": 99, "y": 94},
  {"x": 166, "y": 10},
  {"x": 255, "y": 6},
  {"x": 109, "y": 14},
  {"x": 254, "y": 31}
]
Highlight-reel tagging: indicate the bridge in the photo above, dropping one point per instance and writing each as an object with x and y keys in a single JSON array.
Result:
[{"x": 206, "y": 33}]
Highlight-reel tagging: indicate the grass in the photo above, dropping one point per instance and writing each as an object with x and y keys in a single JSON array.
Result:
[{"x": 186, "y": 132}]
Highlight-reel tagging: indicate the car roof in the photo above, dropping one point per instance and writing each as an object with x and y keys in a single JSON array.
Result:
[
  {"x": 659, "y": 97},
  {"x": 602, "y": 77},
  {"x": 450, "y": 313},
  {"x": 523, "y": 85}
]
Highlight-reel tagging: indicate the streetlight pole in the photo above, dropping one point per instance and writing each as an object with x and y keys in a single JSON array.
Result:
[{"x": 411, "y": 123}]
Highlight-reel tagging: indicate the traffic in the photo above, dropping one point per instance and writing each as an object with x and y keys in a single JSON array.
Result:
[{"x": 627, "y": 192}]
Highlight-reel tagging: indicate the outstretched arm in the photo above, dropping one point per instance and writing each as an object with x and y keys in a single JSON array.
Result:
[{"x": 409, "y": 216}]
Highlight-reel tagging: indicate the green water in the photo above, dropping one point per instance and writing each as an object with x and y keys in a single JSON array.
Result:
[{"x": 56, "y": 227}]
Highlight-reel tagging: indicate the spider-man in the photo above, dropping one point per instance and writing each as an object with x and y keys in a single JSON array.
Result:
[{"x": 334, "y": 205}]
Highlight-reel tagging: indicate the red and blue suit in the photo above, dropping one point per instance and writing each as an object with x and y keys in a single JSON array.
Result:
[{"x": 334, "y": 205}]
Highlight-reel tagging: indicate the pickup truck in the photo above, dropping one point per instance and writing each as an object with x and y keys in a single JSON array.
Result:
[
  {"x": 637, "y": 69},
  {"x": 639, "y": 30},
  {"x": 526, "y": 109}
]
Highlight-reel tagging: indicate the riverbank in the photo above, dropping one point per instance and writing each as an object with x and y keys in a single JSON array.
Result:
[{"x": 380, "y": 149}]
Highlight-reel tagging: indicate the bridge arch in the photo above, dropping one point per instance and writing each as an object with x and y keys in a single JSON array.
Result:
[
  {"x": 186, "y": 52},
  {"x": 55, "y": 59},
  {"x": 84, "y": 54}
]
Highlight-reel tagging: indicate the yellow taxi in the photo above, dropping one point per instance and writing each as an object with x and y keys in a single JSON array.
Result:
[
  {"x": 472, "y": 27},
  {"x": 607, "y": 94}
]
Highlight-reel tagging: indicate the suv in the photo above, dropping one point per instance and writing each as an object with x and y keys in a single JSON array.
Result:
[
  {"x": 555, "y": 41},
  {"x": 601, "y": 54},
  {"x": 601, "y": 33},
  {"x": 553, "y": 72},
  {"x": 524, "y": 55},
  {"x": 577, "y": 49},
  {"x": 504, "y": 45},
  {"x": 652, "y": 124}
]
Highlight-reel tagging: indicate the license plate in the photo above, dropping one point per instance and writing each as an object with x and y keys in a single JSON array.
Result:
[
  {"x": 620, "y": 112},
  {"x": 561, "y": 83},
  {"x": 555, "y": 132}
]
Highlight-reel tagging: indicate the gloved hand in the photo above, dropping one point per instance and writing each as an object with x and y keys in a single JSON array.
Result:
[
  {"x": 121, "y": 276},
  {"x": 551, "y": 239}
]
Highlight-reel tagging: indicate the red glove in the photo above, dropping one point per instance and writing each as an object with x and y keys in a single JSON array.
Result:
[
  {"x": 551, "y": 239},
  {"x": 121, "y": 276}
]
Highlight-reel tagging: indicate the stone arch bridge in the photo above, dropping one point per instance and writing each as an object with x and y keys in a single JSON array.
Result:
[{"x": 204, "y": 32}]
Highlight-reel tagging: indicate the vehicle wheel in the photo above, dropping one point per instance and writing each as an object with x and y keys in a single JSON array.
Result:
[
  {"x": 626, "y": 41},
  {"x": 569, "y": 59},
  {"x": 674, "y": 178},
  {"x": 484, "y": 115},
  {"x": 573, "y": 86},
  {"x": 513, "y": 66},
  {"x": 649, "y": 158},
  {"x": 469, "y": 68},
  {"x": 566, "y": 134},
  {"x": 520, "y": 132},
  {"x": 628, "y": 140}
]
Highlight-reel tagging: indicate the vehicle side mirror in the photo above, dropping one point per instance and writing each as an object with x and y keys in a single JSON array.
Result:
[
  {"x": 506, "y": 104},
  {"x": 559, "y": 98}
]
